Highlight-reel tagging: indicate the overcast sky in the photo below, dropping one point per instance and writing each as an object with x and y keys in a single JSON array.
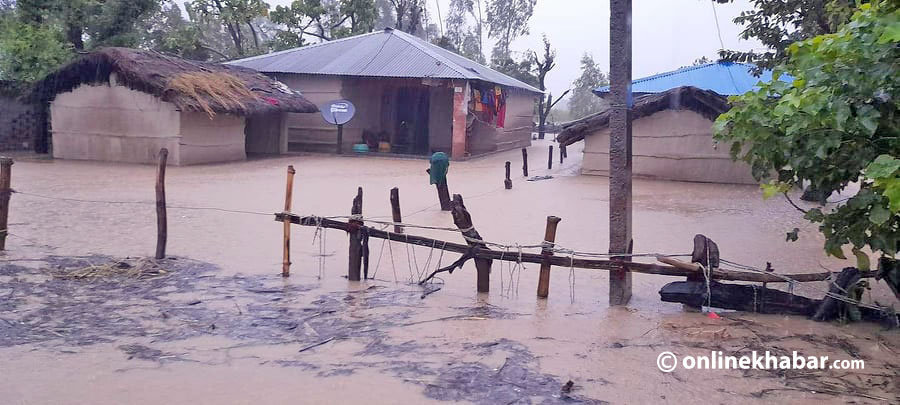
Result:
[{"x": 667, "y": 34}]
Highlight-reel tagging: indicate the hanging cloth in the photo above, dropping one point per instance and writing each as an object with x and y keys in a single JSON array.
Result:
[{"x": 501, "y": 107}]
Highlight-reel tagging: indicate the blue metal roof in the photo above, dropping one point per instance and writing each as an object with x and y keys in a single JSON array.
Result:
[
  {"x": 725, "y": 78},
  {"x": 386, "y": 53}
]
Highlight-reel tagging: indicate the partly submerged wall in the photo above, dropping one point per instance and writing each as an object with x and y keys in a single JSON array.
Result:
[
  {"x": 117, "y": 124},
  {"x": 670, "y": 145},
  {"x": 516, "y": 132}
]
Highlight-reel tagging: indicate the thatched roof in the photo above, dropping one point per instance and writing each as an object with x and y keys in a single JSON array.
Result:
[
  {"x": 191, "y": 86},
  {"x": 704, "y": 102}
]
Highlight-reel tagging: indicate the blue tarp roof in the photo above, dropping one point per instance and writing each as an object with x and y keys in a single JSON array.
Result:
[{"x": 725, "y": 78}]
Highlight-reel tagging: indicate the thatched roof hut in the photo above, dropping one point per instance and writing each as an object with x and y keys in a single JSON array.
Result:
[
  {"x": 189, "y": 85},
  {"x": 704, "y": 102}
]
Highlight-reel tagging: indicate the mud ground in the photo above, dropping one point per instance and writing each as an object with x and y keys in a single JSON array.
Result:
[{"x": 221, "y": 326}]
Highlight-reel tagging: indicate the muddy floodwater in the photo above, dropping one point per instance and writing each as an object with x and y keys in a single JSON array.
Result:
[{"x": 85, "y": 318}]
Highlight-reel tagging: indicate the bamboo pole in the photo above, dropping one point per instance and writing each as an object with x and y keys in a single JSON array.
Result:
[
  {"x": 355, "y": 255},
  {"x": 508, "y": 182},
  {"x": 162, "y": 231},
  {"x": 395, "y": 209},
  {"x": 525, "y": 162},
  {"x": 543, "y": 289},
  {"x": 288, "y": 197},
  {"x": 5, "y": 192}
]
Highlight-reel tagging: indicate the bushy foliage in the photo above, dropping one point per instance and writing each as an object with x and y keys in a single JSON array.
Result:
[{"x": 837, "y": 123}]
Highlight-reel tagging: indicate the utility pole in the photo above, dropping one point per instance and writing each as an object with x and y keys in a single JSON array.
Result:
[{"x": 620, "y": 148}]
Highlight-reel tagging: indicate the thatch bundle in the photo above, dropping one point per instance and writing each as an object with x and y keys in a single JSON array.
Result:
[
  {"x": 191, "y": 86},
  {"x": 704, "y": 102}
]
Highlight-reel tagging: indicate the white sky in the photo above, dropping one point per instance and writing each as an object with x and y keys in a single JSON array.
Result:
[{"x": 667, "y": 34}]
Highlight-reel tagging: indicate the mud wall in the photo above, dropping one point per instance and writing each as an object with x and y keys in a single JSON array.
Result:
[
  {"x": 516, "y": 133},
  {"x": 264, "y": 133},
  {"x": 206, "y": 140},
  {"x": 117, "y": 124},
  {"x": 113, "y": 123},
  {"x": 670, "y": 145}
]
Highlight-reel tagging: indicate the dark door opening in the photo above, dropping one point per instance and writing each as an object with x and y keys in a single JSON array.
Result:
[{"x": 412, "y": 121}]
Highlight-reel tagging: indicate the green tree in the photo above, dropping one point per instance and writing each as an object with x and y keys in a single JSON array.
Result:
[
  {"x": 89, "y": 24},
  {"x": 779, "y": 23},
  {"x": 461, "y": 35},
  {"x": 325, "y": 20},
  {"x": 29, "y": 52},
  {"x": 543, "y": 65},
  {"x": 168, "y": 31},
  {"x": 584, "y": 102},
  {"x": 837, "y": 123},
  {"x": 234, "y": 15},
  {"x": 507, "y": 20}
]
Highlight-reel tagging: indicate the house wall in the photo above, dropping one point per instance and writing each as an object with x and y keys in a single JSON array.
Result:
[
  {"x": 516, "y": 133},
  {"x": 117, "y": 124},
  {"x": 309, "y": 132},
  {"x": 440, "y": 119},
  {"x": 670, "y": 145},
  {"x": 113, "y": 123},
  {"x": 206, "y": 140},
  {"x": 264, "y": 133},
  {"x": 376, "y": 110}
]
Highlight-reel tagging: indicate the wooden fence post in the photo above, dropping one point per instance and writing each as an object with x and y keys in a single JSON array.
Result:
[
  {"x": 550, "y": 159},
  {"x": 463, "y": 221},
  {"x": 525, "y": 162},
  {"x": 5, "y": 192},
  {"x": 288, "y": 197},
  {"x": 508, "y": 182},
  {"x": 395, "y": 209},
  {"x": 562, "y": 153},
  {"x": 355, "y": 238},
  {"x": 162, "y": 232},
  {"x": 543, "y": 289}
]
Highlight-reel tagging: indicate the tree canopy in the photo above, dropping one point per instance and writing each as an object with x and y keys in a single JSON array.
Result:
[{"x": 836, "y": 124}]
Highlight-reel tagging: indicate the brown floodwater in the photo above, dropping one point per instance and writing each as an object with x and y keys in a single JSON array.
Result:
[{"x": 233, "y": 333}]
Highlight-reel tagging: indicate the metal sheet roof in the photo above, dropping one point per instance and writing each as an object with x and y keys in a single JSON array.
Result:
[
  {"x": 725, "y": 78},
  {"x": 387, "y": 53}
]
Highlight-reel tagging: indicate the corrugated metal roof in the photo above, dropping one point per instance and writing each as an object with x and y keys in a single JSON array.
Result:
[
  {"x": 387, "y": 53},
  {"x": 725, "y": 78}
]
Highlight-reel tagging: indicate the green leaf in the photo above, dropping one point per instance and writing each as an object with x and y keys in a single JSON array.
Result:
[
  {"x": 862, "y": 260},
  {"x": 891, "y": 33},
  {"x": 883, "y": 166},
  {"x": 892, "y": 192},
  {"x": 879, "y": 215},
  {"x": 835, "y": 251}
]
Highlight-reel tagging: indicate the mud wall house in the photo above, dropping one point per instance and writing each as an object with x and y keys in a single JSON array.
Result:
[
  {"x": 124, "y": 105},
  {"x": 411, "y": 97},
  {"x": 672, "y": 124}
]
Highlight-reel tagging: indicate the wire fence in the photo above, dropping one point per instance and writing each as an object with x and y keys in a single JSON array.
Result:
[{"x": 508, "y": 285}]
